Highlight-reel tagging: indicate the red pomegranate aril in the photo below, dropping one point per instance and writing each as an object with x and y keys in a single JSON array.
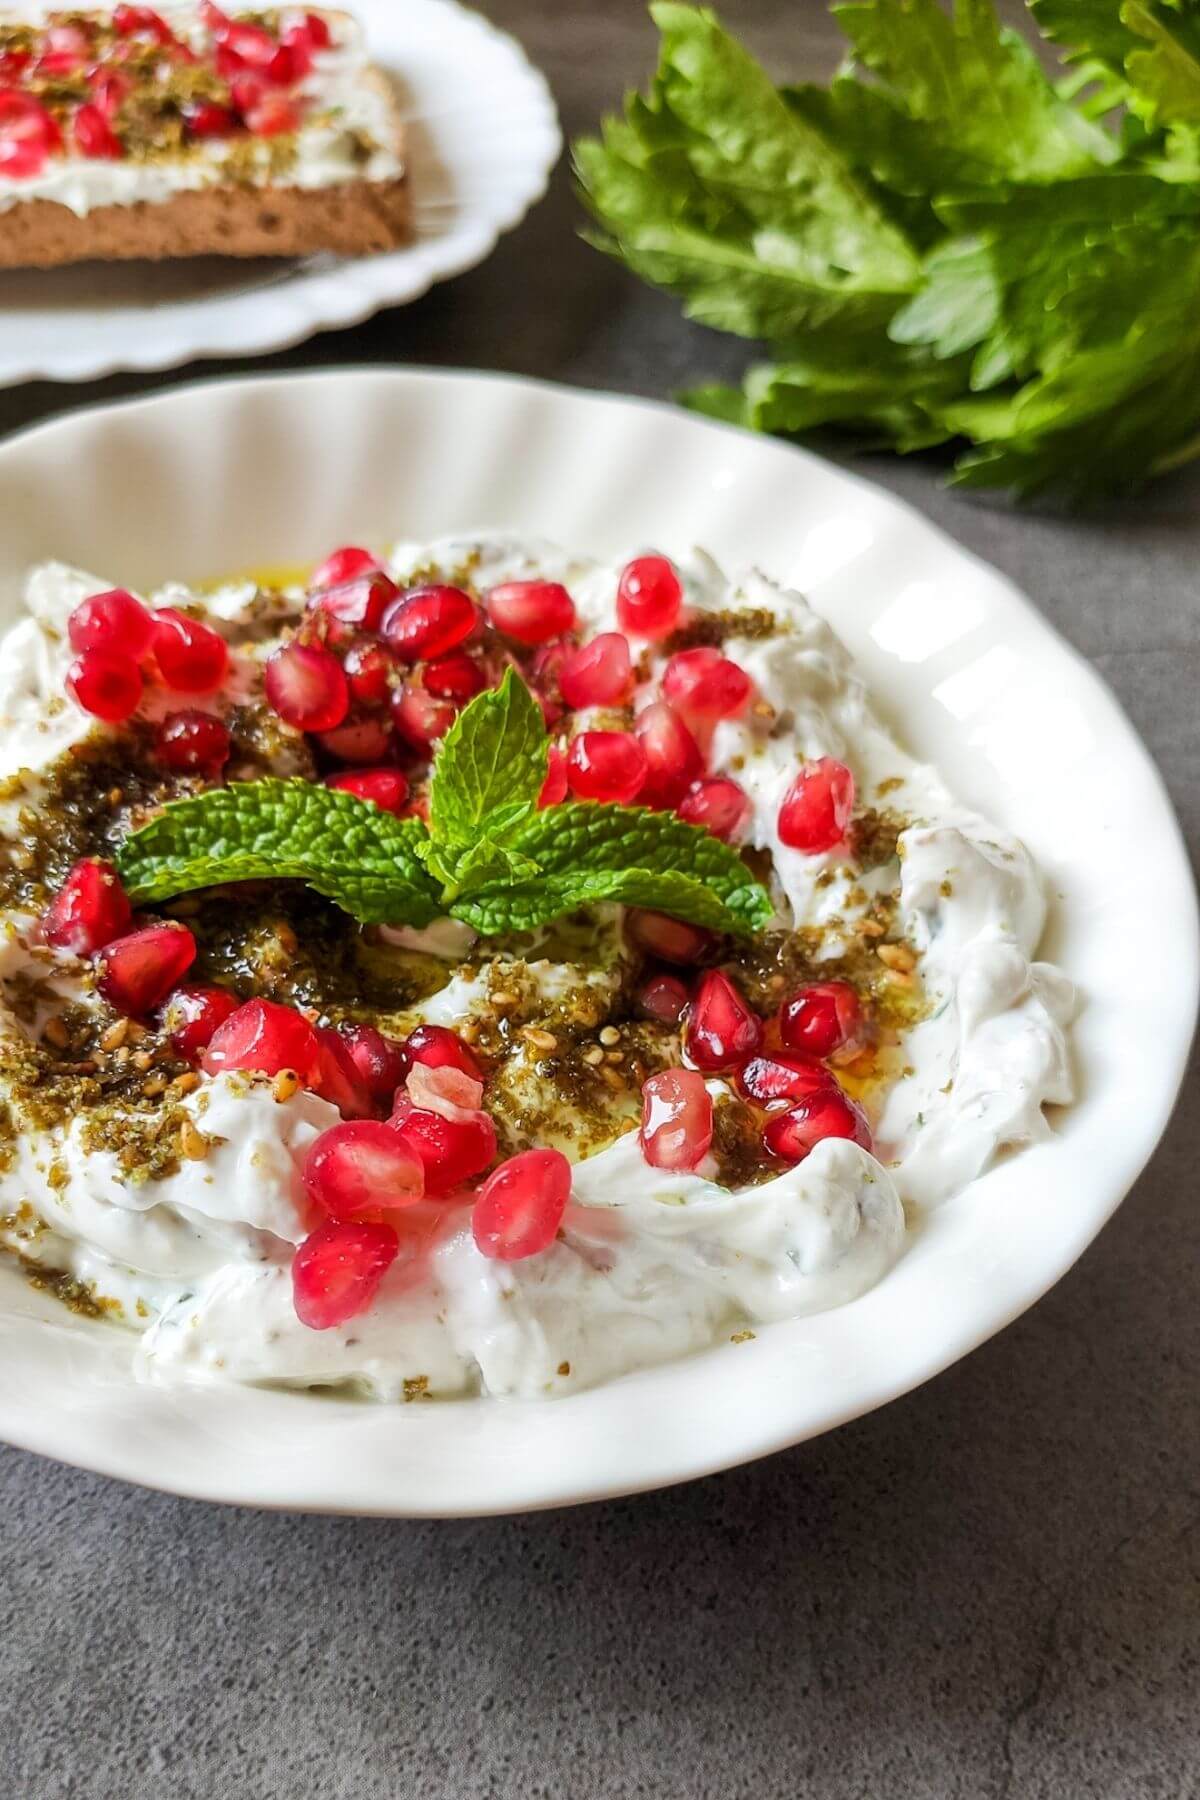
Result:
[
  {"x": 649, "y": 597},
  {"x": 93, "y": 134},
  {"x": 208, "y": 119},
  {"x": 674, "y": 940},
  {"x": 191, "y": 1015},
  {"x": 677, "y": 1119},
  {"x": 361, "y": 1168},
  {"x": 554, "y": 788},
  {"x": 782, "y": 1075},
  {"x": 600, "y": 673},
  {"x": 705, "y": 685},
  {"x": 440, "y": 1048},
  {"x": 424, "y": 623},
  {"x": 272, "y": 117},
  {"x": 828, "y": 1113},
  {"x": 28, "y": 135},
  {"x": 105, "y": 684},
  {"x": 452, "y": 1151},
  {"x": 191, "y": 657},
  {"x": 343, "y": 565},
  {"x": 606, "y": 765},
  {"x": 722, "y": 1029},
  {"x": 293, "y": 59},
  {"x": 719, "y": 805},
  {"x": 266, "y": 1038},
  {"x": 337, "y": 1079},
  {"x": 136, "y": 973},
  {"x": 113, "y": 621},
  {"x": 821, "y": 1019},
  {"x": 368, "y": 669},
  {"x": 319, "y": 34},
  {"x": 673, "y": 759},
  {"x": 532, "y": 612},
  {"x": 248, "y": 44},
  {"x": 817, "y": 807},
  {"x": 110, "y": 90},
  {"x": 307, "y": 687},
  {"x": 89, "y": 910},
  {"x": 663, "y": 998},
  {"x": 366, "y": 740},
  {"x": 139, "y": 21},
  {"x": 337, "y": 1270},
  {"x": 385, "y": 788},
  {"x": 191, "y": 743},
  {"x": 456, "y": 677},
  {"x": 444, "y": 1090},
  {"x": 360, "y": 601},
  {"x": 521, "y": 1205},
  {"x": 422, "y": 718},
  {"x": 382, "y": 1063}
]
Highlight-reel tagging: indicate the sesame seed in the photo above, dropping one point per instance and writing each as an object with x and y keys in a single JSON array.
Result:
[
  {"x": 192, "y": 1142},
  {"x": 141, "y": 1059},
  {"x": 285, "y": 1084},
  {"x": 55, "y": 1032},
  {"x": 156, "y": 1085},
  {"x": 115, "y": 1036},
  {"x": 187, "y": 1082},
  {"x": 593, "y": 1055},
  {"x": 897, "y": 957},
  {"x": 544, "y": 1041},
  {"x": 501, "y": 997},
  {"x": 610, "y": 1036}
]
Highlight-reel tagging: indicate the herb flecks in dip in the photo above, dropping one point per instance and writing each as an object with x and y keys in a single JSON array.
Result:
[{"x": 480, "y": 969}]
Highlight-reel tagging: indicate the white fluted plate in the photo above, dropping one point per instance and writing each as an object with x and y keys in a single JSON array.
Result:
[
  {"x": 222, "y": 476},
  {"x": 482, "y": 135}
]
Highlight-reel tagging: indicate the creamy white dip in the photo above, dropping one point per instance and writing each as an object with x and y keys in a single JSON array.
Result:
[
  {"x": 352, "y": 111},
  {"x": 650, "y": 1265}
]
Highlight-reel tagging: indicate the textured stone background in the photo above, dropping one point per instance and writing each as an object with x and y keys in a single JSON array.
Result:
[{"x": 988, "y": 1590}]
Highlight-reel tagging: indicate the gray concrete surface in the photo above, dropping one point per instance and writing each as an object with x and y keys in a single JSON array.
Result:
[{"x": 987, "y": 1591}]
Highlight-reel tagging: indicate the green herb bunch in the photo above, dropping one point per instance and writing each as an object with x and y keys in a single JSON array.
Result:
[
  {"x": 942, "y": 246},
  {"x": 488, "y": 856}
]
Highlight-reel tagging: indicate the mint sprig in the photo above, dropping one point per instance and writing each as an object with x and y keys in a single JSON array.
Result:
[{"x": 488, "y": 856}]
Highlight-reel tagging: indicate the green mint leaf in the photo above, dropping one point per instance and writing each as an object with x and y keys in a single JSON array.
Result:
[
  {"x": 1091, "y": 30},
  {"x": 520, "y": 908},
  {"x": 490, "y": 766},
  {"x": 363, "y": 859},
  {"x": 1165, "y": 75},
  {"x": 485, "y": 862}
]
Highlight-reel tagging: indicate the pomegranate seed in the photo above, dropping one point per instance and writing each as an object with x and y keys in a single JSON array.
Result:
[
  {"x": 207, "y": 119},
  {"x": 662, "y": 998},
  {"x": 649, "y": 597},
  {"x": 343, "y": 565},
  {"x": 113, "y": 621},
  {"x": 677, "y": 1120},
  {"x": 192, "y": 742},
  {"x": 93, "y": 134},
  {"x": 777, "y": 1075},
  {"x": 191, "y": 657},
  {"x": 28, "y": 135},
  {"x": 554, "y": 788},
  {"x": 68, "y": 40},
  {"x": 265, "y": 1037},
  {"x": 272, "y": 117},
  {"x": 673, "y": 758},
  {"x": 368, "y": 670},
  {"x": 425, "y": 622},
  {"x": 89, "y": 910},
  {"x": 381, "y": 1062},
  {"x": 721, "y": 1028},
  {"x": 319, "y": 34},
  {"x": 438, "y": 1048},
  {"x": 293, "y": 59},
  {"x": 213, "y": 18},
  {"x": 337, "y": 1270},
  {"x": 532, "y": 612},
  {"x": 451, "y": 1150},
  {"x": 444, "y": 1090},
  {"x": 337, "y": 1078},
  {"x": 358, "y": 741},
  {"x": 455, "y": 677},
  {"x": 827, "y": 1113},
  {"x": 385, "y": 788},
  {"x": 105, "y": 684},
  {"x": 110, "y": 90},
  {"x": 248, "y": 44},
  {"x": 606, "y": 765},
  {"x": 816, "y": 808},
  {"x": 247, "y": 92},
  {"x": 598, "y": 674},
  {"x": 420, "y": 717},
  {"x": 136, "y": 973},
  {"x": 705, "y": 685},
  {"x": 361, "y": 1168},
  {"x": 544, "y": 674},
  {"x": 130, "y": 21},
  {"x": 672, "y": 939},
  {"x": 719, "y": 805},
  {"x": 191, "y": 1015},
  {"x": 307, "y": 687},
  {"x": 821, "y": 1019},
  {"x": 361, "y": 601},
  {"x": 521, "y": 1205}
]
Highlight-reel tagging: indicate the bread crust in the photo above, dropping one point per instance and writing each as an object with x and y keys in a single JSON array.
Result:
[{"x": 351, "y": 218}]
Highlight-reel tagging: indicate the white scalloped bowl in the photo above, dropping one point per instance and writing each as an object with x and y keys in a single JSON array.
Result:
[
  {"x": 482, "y": 135},
  {"x": 221, "y": 476}
]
